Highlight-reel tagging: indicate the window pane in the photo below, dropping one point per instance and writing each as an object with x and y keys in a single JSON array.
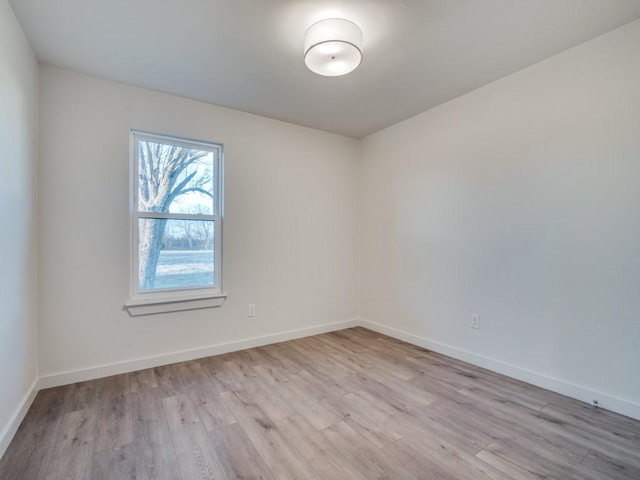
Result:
[
  {"x": 175, "y": 179},
  {"x": 175, "y": 253}
]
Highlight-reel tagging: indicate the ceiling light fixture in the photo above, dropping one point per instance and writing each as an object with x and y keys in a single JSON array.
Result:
[{"x": 333, "y": 47}]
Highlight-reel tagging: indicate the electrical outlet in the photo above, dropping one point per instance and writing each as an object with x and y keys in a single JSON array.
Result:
[
  {"x": 475, "y": 321},
  {"x": 252, "y": 309},
  {"x": 595, "y": 403}
]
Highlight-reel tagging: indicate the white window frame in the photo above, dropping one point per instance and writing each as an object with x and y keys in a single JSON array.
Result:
[{"x": 175, "y": 299}]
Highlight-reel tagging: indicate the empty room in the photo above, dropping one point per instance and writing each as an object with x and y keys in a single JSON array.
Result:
[{"x": 320, "y": 239}]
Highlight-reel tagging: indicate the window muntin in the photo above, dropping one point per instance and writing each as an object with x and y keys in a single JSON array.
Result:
[{"x": 176, "y": 216}]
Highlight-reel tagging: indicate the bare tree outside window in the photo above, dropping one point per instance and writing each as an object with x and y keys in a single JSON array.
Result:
[{"x": 177, "y": 208}]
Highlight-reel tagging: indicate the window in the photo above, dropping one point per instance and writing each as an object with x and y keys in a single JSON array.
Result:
[{"x": 176, "y": 217}]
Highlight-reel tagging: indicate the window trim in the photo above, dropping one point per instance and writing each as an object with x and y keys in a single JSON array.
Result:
[{"x": 174, "y": 299}]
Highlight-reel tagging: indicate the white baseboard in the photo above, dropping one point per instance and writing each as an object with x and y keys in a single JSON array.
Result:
[
  {"x": 91, "y": 373},
  {"x": 11, "y": 427},
  {"x": 608, "y": 402}
]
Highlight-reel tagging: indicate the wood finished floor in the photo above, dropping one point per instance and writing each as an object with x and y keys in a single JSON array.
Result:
[{"x": 345, "y": 405}]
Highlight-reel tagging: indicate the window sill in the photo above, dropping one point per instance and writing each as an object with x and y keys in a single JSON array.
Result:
[{"x": 175, "y": 304}]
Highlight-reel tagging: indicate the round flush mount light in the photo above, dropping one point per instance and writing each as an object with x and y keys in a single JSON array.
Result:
[{"x": 333, "y": 47}]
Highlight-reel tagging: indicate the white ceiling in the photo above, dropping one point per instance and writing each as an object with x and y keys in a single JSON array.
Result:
[{"x": 247, "y": 54}]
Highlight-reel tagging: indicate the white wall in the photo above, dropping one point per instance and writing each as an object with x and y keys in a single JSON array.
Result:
[
  {"x": 290, "y": 233},
  {"x": 519, "y": 201},
  {"x": 18, "y": 147}
]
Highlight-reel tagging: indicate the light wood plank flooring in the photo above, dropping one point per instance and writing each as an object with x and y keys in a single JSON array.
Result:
[{"x": 352, "y": 404}]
